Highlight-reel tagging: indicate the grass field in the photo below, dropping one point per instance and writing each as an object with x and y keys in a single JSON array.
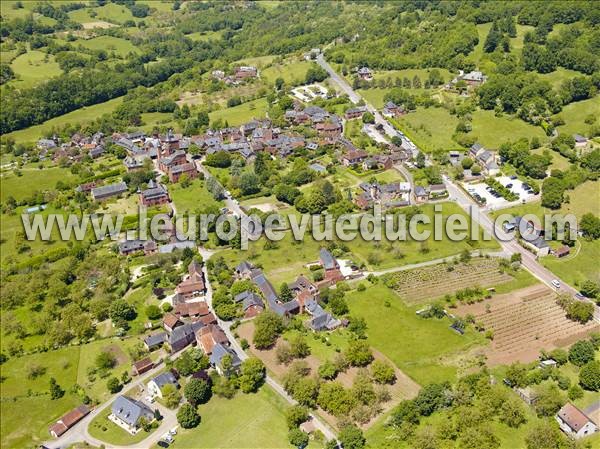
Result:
[
  {"x": 580, "y": 265},
  {"x": 205, "y": 35},
  {"x": 243, "y": 113},
  {"x": 121, "y": 47},
  {"x": 425, "y": 349},
  {"x": 491, "y": 131},
  {"x": 258, "y": 61},
  {"x": 33, "y": 179},
  {"x": 248, "y": 421},
  {"x": 293, "y": 73},
  {"x": 430, "y": 128},
  {"x": 32, "y": 68},
  {"x": 194, "y": 197},
  {"x": 288, "y": 259},
  {"x": 559, "y": 76},
  {"x": 111, "y": 12},
  {"x": 574, "y": 115},
  {"x": 82, "y": 115},
  {"x": 105, "y": 430}
]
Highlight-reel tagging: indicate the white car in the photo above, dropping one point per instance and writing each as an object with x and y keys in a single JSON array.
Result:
[
  {"x": 555, "y": 283},
  {"x": 173, "y": 431},
  {"x": 168, "y": 437}
]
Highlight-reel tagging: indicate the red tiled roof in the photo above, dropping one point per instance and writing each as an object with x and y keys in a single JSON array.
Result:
[{"x": 573, "y": 417}]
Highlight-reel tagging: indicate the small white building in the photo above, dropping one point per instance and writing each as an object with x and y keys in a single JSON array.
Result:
[
  {"x": 574, "y": 422},
  {"x": 156, "y": 384}
]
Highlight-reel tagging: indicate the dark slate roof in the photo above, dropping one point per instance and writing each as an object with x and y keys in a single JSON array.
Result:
[
  {"x": 129, "y": 410},
  {"x": 220, "y": 351},
  {"x": 156, "y": 339},
  {"x": 185, "y": 331},
  {"x": 252, "y": 300},
  {"x": 165, "y": 378},
  {"x": 241, "y": 296},
  {"x": 131, "y": 245},
  {"x": 420, "y": 191},
  {"x": 327, "y": 259},
  {"x": 111, "y": 189}
]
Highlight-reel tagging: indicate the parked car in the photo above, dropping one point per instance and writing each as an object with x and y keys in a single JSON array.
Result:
[
  {"x": 162, "y": 443},
  {"x": 555, "y": 283},
  {"x": 508, "y": 186},
  {"x": 525, "y": 186},
  {"x": 513, "y": 177}
]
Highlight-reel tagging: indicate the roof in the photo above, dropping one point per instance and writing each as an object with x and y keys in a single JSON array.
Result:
[
  {"x": 220, "y": 351},
  {"x": 141, "y": 364},
  {"x": 164, "y": 379},
  {"x": 420, "y": 191},
  {"x": 573, "y": 417},
  {"x": 111, "y": 189},
  {"x": 156, "y": 339},
  {"x": 185, "y": 331},
  {"x": 252, "y": 300},
  {"x": 170, "y": 320},
  {"x": 129, "y": 410},
  {"x": 327, "y": 259}
]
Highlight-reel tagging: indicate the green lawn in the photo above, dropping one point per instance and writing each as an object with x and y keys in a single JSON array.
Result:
[
  {"x": 82, "y": 115},
  {"x": 574, "y": 115},
  {"x": 430, "y": 128},
  {"x": 32, "y": 68},
  {"x": 105, "y": 430},
  {"x": 492, "y": 131},
  {"x": 425, "y": 349},
  {"x": 121, "y": 47},
  {"x": 258, "y": 61},
  {"x": 192, "y": 198},
  {"x": 248, "y": 421},
  {"x": 205, "y": 35},
  {"x": 580, "y": 265},
  {"x": 21, "y": 187},
  {"x": 243, "y": 113},
  {"x": 111, "y": 12},
  {"x": 27, "y": 409},
  {"x": 559, "y": 76},
  {"x": 293, "y": 73}
]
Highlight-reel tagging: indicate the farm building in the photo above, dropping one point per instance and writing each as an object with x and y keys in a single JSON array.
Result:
[
  {"x": 574, "y": 422},
  {"x": 104, "y": 192}
]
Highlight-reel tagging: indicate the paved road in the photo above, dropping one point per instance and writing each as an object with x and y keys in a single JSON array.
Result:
[
  {"x": 79, "y": 432},
  {"x": 226, "y": 326},
  {"x": 510, "y": 246}
]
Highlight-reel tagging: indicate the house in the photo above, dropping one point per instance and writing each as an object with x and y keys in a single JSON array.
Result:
[
  {"x": 574, "y": 422},
  {"x": 390, "y": 109},
  {"x": 421, "y": 194},
  {"x": 364, "y": 73},
  {"x": 486, "y": 159},
  {"x": 170, "y": 322},
  {"x": 193, "y": 285},
  {"x": 304, "y": 290},
  {"x": 47, "y": 144},
  {"x": 191, "y": 309},
  {"x": 244, "y": 72},
  {"x": 353, "y": 157},
  {"x": 155, "y": 341},
  {"x": 320, "y": 320},
  {"x": 86, "y": 187},
  {"x": 141, "y": 366},
  {"x": 244, "y": 270},
  {"x": 536, "y": 244},
  {"x": 184, "y": 336},
  {"x": 527, "y": 395},
  {"x": 210, "y": 318},
  {"x": 474, "y": 78},
  {"x": 356, "y": 112},
  {"x": 177, "y": 171},
  {"x": 96, "y": 152},
  {"x": 268, "y": 292},
  {"x": 252, "y": 304},
  {"x": 580, "y": 141},
  {"x": 209, "y": 336},
  {"x": 437, "y": 191},
  {"x": 134, "y": 163},
  {"x": 219, "y": 353},
  {"x": 156, "y": 384},
  {"x": 127, "y": 413},
  {"x": 331, "y": 267},
  {"x": 127, "y": 247},
  {"x": 562, "y": 251},
  {"x": 154, "y": 195},
  {"x": 104, "y": 192},
  {"x": 68, "y": 420}
]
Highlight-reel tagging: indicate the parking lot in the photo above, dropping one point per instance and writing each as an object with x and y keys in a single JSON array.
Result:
[
  {"x": 496, "y": 201},
  {"x": 310, "y": 92}
]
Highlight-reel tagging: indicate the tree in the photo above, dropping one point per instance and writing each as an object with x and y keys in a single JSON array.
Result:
[
  {"x": 153, "y": 312},
  {"x": 512, "y": 413},
  {"x": 544, "y": 435},
  {"x": 299, "y": 348},
  {"x": 267, "y": 327},
  {"x": 253, "y": 374},
  {"x": 368, "y": 117},
  {"x": 121, "y": 312},
  {"x": 171, "y": 395},
  {"x": 358, "y": 353},
  {"x": 106, "y": 360},
  {"x": 549, "y": 400},
  {"x": 113, "y": 385},
  {"x": 296, "y": 415},
  {"x": 285, "y": 293},
  {"x": 351, "y": 437},
  {"x": 553, "y": 190},
  {"x": 480, "y": 437},
  {"x": 405, "y": 412},
  {"x": 581, "y": 353},
  {"x": 315, "y": 74},
  {"x": 590, "y": 289},
  {"x": 589, "y": 376},
  {"x": 383, "y": 372},
  {"x": 188, "y": 416},
  {"x": 55, "y": 391},
  {"x": 590, "y": 226},
  {"x": 575, "y": 392},
  {"x": 297, "y": 438},
  {"x": 249, "y": 183},
  {"x": 197, "y": 391},
  {"x": 493, "y": 38},
  {"x": 432, "y": 397},
  {"x": 220, "y": 159}
]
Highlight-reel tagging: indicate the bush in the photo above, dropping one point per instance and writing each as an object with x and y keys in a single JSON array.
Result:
[
  {"x": 295, "y": 416},
  {"x": 581, "y": 353},
  {"x": 188, "y": 417},
  {"x": 297, "y": 438},
  {"x": 589, "y": 376},
  {"x": 382, "y": 372}
]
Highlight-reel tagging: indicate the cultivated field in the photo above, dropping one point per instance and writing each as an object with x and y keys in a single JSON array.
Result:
[
  {"x": 525, "y": 321},
  {"x": 432, "y": 282}
]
